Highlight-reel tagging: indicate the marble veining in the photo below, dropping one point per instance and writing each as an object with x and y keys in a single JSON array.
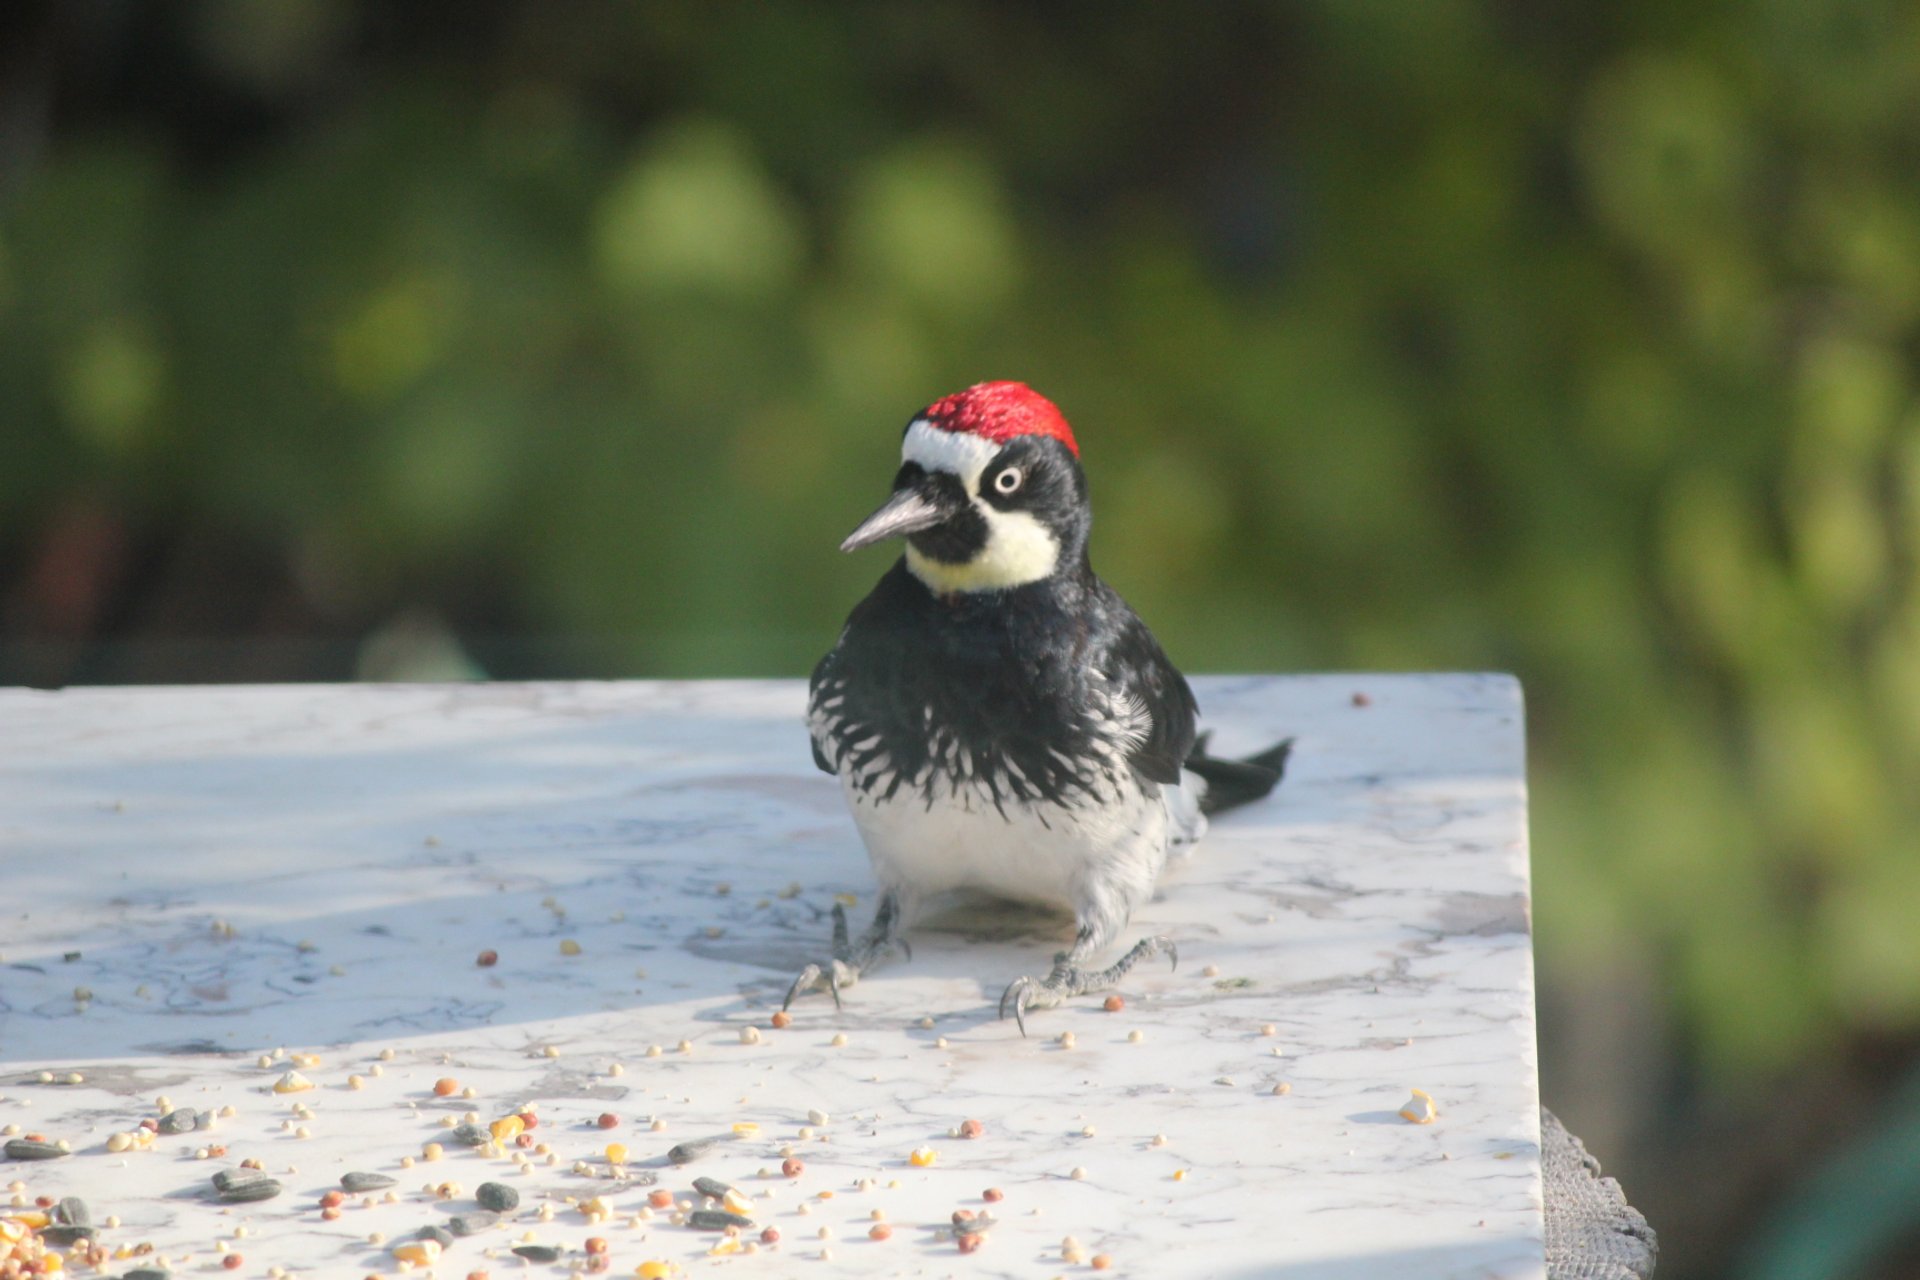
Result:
[{"x": 194, "y": 879}]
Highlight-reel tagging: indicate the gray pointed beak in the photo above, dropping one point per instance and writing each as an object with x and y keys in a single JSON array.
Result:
[{"x": 909, "y": 510}]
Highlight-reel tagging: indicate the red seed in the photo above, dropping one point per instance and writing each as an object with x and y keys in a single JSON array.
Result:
[
  {"x": 880, "y": 1231},
  {"x": 150, "y": 1125},
  {"x": 770, "y": 1236},
  {"x": 445, "y": 1086},
  {"x": 331, "y": 1213},
  {"x": 962, "y": 1215},
  {"x": 333, "y": 1199},
  {"x": 792, "y": 1167},
  {"x": 233, "y": 1262},
  {"x": 1115, "y": 1003},
  {"x": 608, "y": 1120},
  {"x": 596, "y": 1244},
  {"x": 478, "y": 1275},
  {"x": 1101, "y": 1261},
  {"x": 993, "y": 1195},
  {"x": 596, "y": 1263},
  {"x": 781, "y": 1019},
  {"x": 968, "y": 1243},
  {"x": 1362, "y": 700},
  {"x": 972, "y": 1129},
  {"x": 529, "y": 1119},
  {"x": 660, "y": 1199},
  {"x": 487, "y": 959},
  {"x": 44, "y": 1202}
]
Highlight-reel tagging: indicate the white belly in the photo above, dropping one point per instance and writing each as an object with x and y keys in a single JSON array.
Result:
[{"x": 1062, "y": 856}]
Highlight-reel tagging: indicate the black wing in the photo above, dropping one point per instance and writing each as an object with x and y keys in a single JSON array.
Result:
[
  {"x": 1142, "y": 673},
  {"x": 821, "y": 671}
]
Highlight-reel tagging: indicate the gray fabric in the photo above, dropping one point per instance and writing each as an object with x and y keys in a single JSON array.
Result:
[{"x": 1592, "y": 1232}]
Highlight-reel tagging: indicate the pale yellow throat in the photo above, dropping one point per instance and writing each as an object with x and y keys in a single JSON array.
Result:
[{"x": 1019, "y": 550}]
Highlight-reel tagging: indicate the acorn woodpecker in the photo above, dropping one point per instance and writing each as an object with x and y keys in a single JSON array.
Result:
[{"x": 1000, "y": 721}]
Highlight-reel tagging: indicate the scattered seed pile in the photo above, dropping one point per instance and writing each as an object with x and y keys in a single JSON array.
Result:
[{"x": 591, "y": 1204}]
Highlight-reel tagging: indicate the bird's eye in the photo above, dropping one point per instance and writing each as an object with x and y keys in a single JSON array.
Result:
[{"x": 1009, "y": 480}]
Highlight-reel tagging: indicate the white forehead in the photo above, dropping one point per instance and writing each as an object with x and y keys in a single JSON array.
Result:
[{"x": 954, "y": 452}]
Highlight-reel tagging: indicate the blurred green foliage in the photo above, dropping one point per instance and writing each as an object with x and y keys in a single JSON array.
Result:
[{"x": 1574, "y": 340}]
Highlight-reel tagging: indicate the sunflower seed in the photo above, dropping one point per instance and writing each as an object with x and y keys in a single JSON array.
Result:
[
  {"x": 359, "y": 1182},
  {"x": 470, "y": 1135},
  {"x": 238, "y": 1186},
  {"x": 497, "y": 1196},
  {"x": 32, "y": 1149},
  {"x": 184, "y": 1120},
  {"x": 688, "y": 1152}
]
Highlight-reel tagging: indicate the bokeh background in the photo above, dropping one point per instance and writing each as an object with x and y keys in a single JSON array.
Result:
[{"x": 520, "y": 338}]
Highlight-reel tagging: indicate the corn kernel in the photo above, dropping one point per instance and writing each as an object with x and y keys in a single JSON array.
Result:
[
  {"x": 419, "y": 1252},
  {"x": 506, "y": 1128},
  {"x": 1420, "y": 1108},
  {"x": 616, "y": 1153},
  {"x": 292, "y": 1082},
  {"x": 745, "y": 1129},
  {"x": 654, "y": 1270},
  {"x": 922, "y": 1157}
]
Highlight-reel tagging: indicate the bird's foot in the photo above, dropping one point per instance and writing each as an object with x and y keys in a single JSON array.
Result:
[
  {"x": 1068, "y": 979},
  {"x": 849, "y": 959},
  {"x": 835, "y": 977}
]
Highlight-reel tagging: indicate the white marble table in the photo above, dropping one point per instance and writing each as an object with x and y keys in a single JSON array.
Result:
[{"x": 201, "y": 886}]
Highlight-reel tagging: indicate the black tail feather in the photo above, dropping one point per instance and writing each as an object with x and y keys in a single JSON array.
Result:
[{"x": 1231, "y": 783}]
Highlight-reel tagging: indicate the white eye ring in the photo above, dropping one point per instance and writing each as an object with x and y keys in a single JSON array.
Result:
[{"x": 1009, "y": 480}]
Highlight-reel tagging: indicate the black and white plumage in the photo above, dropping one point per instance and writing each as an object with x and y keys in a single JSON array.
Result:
[{"x": 999, "y": 719}]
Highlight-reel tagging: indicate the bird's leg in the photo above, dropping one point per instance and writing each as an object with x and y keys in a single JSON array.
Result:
[
  {"x": 1070, "y": 979},
  {"x": 851, "y": 959}
]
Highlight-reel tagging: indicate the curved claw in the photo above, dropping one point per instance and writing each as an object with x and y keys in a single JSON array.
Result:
[
  {"x": 807, "y": 978},
  {"x": 814, "y": 976},
  {"x": 1173, "y": 952},
  {"x": 1020, "y": 992}
]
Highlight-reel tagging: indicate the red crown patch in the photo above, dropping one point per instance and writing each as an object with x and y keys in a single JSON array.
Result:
[{"x": 999, "y": 411}]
